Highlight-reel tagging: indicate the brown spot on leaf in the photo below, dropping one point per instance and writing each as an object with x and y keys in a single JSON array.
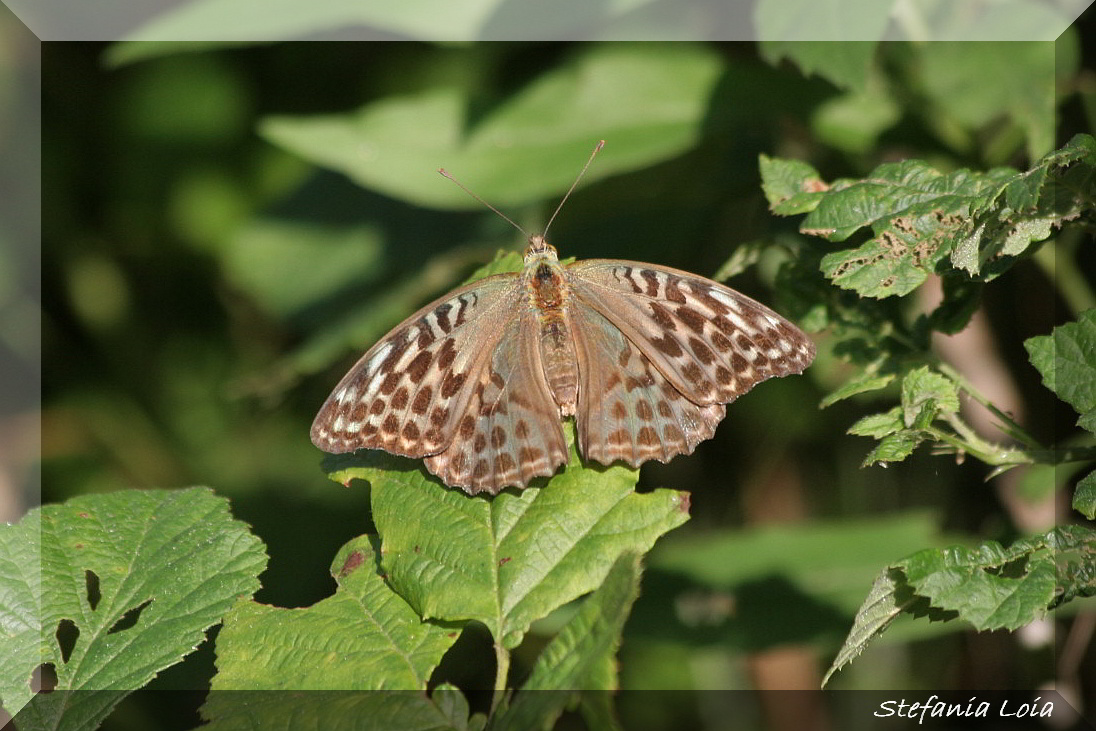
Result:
[{"x": 353, "y": 560}]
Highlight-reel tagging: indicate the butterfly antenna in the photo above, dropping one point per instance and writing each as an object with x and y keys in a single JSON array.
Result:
[
  {"x": 506, "y": 218},
  {"x": 597, "y": 149}
]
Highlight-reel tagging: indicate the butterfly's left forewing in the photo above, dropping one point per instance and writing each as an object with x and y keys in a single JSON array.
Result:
[{"x": 408, "y": 392}]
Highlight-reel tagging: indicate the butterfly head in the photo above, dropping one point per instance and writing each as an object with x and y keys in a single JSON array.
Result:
[{"x": 539, "y": 250}]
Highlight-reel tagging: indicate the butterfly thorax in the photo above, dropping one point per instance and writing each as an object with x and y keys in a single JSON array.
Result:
[{"x": 549, "y": 295}]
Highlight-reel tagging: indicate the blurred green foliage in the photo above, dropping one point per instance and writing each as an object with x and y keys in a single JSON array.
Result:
[{"x": 208, "y": 277}]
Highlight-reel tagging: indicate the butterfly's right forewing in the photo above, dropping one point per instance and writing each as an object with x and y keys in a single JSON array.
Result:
[
  {"x": 713, "y": 343},
  {"x": 407, "y": 394}
]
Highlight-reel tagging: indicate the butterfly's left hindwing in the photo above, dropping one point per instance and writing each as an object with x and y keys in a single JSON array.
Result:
[{"x": 510, "y": 432}]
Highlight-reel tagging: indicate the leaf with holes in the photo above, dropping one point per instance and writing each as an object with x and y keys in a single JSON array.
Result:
[
  {"x": 510, "y": 560},
  {"x": 364, "y": 637},
  {"x": 105, "y": 591},
  {"x": 990, "y": 586},
  {"x": 924, "y": 221}
]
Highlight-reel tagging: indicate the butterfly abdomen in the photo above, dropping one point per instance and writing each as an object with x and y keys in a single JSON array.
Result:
[{"x": 549, "y": 295}]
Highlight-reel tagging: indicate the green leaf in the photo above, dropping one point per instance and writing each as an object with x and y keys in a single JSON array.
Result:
[
  {"x": 136, "y": 576},
  {"x": 287, "y": 266},
  {"x": 989, "y": 586},
  {"x": 751, "y": 586},
  {"x": 879, "y": 425},
  {"x": 445, "y": 710},
  {"x": 894, "y": 448},
  {"x": 578, "y": 651},
  {"x": 1084, "y": 499},
  {"x": 920, "y": 217},
  {"x": 790, "y": 186},
  {"x": 923, "y": 387},
  {"x": 974, "y": 583},
  {"x": 845, "y": 63},
  {"x": 528, "y": 148},
  {"x": 853, "y": 121},
  {"x": 744, "y": 256},
  {"x": 1074, "y": 550},
  {"x": 270, "y": 21},
  {"x": 1067, "y": 361},
  {"x": 864, "y": 382},
  {"x": 509, "y": 560},
  {"x": 364, "y": 637},
  {"x": 979, "y": 83},
  {"x": 881, "y": 607}
]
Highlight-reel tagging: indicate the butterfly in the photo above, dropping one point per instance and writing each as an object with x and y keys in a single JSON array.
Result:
[{"x": 644, "y": 358}]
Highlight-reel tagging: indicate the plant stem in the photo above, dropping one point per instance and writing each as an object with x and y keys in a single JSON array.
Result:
[
  {"x": 1010, "y": 425},
  {"x": 502, "y": 669},
  {"x": 971, "y": 443}
]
